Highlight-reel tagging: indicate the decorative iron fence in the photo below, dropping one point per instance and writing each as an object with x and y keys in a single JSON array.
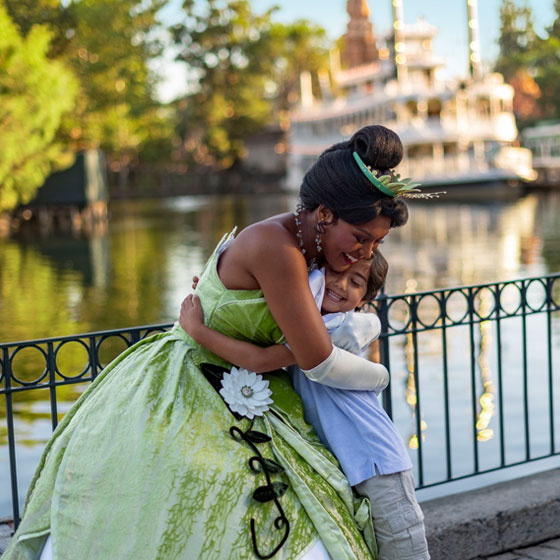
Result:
[
  {"x": 50, "y": 377},
  {"x": 471, "y": 366},
  {"x": 501, "y": 341}
]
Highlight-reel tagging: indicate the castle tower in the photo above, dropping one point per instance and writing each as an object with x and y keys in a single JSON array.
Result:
[{"x": 359, "y": 41}]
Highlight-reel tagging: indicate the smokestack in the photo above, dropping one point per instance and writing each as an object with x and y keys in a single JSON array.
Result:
[
  {"x": 474, "y": 42},
  {"x": 398, "y": 30},
  {"x": 306, "y": 89}
]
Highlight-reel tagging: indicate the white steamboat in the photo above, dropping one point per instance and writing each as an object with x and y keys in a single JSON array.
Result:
[{"x": 458, "y": 134}]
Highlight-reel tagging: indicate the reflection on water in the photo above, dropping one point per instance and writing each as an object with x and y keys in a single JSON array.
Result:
[
  {"x": 486, "y": 400},
  {"x": 137, "y": 273},
  {"x": 453, "y": 244},
  {"x": 139, "y": 270}
]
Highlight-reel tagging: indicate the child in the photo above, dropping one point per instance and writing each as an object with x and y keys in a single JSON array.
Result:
[{"x": 352, "y": 424}]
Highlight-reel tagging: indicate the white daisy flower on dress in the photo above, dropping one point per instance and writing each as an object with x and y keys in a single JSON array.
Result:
[{"x": 246, "y": 392}]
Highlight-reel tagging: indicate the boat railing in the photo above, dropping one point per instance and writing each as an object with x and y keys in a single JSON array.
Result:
[
  {"x": 444, "y": 166},
  {"x": 475, "y": 346}
]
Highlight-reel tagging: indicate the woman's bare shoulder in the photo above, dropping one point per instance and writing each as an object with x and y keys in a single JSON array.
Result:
[
  {"x": 262, "y": 236},
  {"x": 259, "y": 250}
]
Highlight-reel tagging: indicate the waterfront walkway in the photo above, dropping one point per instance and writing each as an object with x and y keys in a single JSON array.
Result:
[
  {"x": 514, "y": 520},
  {"x": 506, "y": 521},
  {"x": 548, "y": 550}
]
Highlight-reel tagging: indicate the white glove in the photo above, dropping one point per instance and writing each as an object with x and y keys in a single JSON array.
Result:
[{"x": 343, "y": 370}]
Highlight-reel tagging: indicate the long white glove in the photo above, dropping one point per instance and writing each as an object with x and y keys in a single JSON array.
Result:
[{"x": 343, "y": 370}]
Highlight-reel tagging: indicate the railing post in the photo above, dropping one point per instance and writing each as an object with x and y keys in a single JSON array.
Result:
[
  {"x": 474, "y": 408},
  {"x": 93, "y": 361},
  {"x": 11, "y": 434},
  {"x": 383, "y": 313},
  {"x": 443, "y": 319},
  {"x": 51, "y": 365},
  {"x": 525, "y": 373},
  {"x": 549, "y": 307},
  {"x": 498, "y": 299}
]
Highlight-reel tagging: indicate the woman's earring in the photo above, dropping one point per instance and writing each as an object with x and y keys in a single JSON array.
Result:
[
  {"x": 318, "y": 242},
  {"x": 319, "y": 230}
]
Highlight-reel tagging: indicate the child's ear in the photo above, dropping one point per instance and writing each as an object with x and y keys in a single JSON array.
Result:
[{"x": 360, "y": 305}]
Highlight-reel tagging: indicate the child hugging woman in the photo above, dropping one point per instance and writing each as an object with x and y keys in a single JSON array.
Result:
[{"x": 351, "y": 424}]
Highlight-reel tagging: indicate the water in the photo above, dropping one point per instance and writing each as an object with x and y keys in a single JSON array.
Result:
[{"x": 139, "y": 270}]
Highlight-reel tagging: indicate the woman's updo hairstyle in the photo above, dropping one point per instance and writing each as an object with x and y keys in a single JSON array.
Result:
[{"x": 336, "y": 181}]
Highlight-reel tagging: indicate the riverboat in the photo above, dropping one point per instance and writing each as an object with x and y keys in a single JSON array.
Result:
[{"x": 459, "y": 135}]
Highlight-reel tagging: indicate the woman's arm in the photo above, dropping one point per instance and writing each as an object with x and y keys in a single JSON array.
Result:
[
  {"x": 250, "y": 356},
  {"x": 265, "y": 256}
]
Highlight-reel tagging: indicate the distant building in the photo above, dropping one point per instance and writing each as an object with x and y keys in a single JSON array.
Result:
[
  {"x": 544, "y": 142},
  {"x": 73, "y": 198}
]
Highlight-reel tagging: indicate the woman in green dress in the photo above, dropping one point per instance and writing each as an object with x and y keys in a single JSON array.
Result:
[{"x": 150, "y": 463}]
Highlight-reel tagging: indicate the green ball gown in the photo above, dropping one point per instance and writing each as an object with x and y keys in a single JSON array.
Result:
[{"x": 144, "y": 465}]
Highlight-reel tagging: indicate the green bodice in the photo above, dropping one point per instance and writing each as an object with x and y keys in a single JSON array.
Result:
[{"x": 241, "y": 314}]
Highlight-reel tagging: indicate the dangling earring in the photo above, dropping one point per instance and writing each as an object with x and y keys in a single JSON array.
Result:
[{"x": 319, "y": 230}]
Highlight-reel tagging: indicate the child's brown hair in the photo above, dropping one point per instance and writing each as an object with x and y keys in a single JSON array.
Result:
[{"x": 377, "y": 275}]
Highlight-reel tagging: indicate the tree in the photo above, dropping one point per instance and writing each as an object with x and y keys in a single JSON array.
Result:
[
  {"x": 246, "y": 69},
  {"x": 108, "y": 44},
  {"x": 517, "y": 38},
  {"x": 548, "y": 68},
  {"x": 516, "y": 60},
  {"x": 35, "y": 93},
  {"x": 50, "y": 13},
  {"x": 292, "y": 49}
]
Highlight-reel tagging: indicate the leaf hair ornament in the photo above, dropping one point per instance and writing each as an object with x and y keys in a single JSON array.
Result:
[{"x": 393, "y": 185}]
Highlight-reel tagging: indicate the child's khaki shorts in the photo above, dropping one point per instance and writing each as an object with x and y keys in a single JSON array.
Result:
[{"x": 397, "y": 517}]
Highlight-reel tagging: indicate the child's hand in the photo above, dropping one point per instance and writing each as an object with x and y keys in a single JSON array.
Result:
[
  {"x": 194, "y": 282},
  {"x": 192, "y": 315}
]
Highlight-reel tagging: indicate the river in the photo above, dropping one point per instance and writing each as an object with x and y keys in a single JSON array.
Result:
[{"x": 138, "y": 269}]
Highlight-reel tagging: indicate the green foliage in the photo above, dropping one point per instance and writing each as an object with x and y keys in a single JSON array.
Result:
[
  {"x": 108, "y": 45},
  {"x": 109, "y": 52},
  {"x": 247, "y": 70},
  {"x": 548, "y": 68},
  {"x": 296, "y": 47},
  {"x": 517, "y": 38},
  {"x": 531, "y": 64},
  {"x": 35, "y": 92},
  {"x": 50, "y": 13},
  {"x": 245, "y": 66}
]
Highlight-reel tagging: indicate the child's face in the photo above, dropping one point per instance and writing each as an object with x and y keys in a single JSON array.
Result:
[{"x": 344, "y": 291}]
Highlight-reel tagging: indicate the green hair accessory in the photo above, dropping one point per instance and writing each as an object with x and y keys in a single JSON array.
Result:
[{"x": 392, "y": 185}]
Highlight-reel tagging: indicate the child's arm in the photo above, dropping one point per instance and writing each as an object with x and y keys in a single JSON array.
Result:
[{"x": 244, "y": 354}]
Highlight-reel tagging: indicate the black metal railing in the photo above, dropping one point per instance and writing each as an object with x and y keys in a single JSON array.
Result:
[
  {"x": 480, "y": 336},
  {"x": 48, "y": 376},
  {"x": 479, "y": 315}
]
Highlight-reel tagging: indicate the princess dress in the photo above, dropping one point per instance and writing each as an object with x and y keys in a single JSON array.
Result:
[{"x": 145, "y": 466}]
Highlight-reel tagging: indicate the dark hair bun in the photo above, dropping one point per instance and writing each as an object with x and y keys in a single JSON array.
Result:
[
  {"x": 336, "y": 181},
  {"x": 378, "y": 147}
]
